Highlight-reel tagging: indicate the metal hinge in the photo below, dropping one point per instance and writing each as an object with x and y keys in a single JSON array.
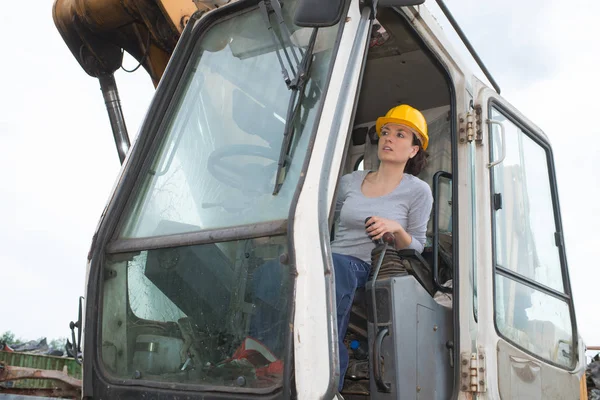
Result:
[
  {"x": 478, "y": 122},
  {"x": 472, "y": 372},
  {"x": 470, "y": 126},
  {"x": 466, "y": 128}
]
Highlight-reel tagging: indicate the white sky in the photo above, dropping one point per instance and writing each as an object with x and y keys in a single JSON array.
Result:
[{"x": 59, "y": 162}]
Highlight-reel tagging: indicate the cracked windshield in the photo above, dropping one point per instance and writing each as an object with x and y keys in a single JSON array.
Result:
[
  {"x": 218, "y": 314},
  {"x": 212, "y": 314}
]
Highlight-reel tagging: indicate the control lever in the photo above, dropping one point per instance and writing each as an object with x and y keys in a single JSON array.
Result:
[
  {"x": 377, "y": 241},
  {"x": 388, "y": 240}
]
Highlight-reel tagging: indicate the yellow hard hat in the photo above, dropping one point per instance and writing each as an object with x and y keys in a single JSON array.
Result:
[{"x": 409, "y": 116}]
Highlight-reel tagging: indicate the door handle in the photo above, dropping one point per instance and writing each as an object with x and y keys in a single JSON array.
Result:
[
  {"x": 382, "y": 386},
  {"x": 502, "y": 137}
]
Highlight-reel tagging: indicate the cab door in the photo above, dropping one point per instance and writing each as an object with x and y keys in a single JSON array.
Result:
[{"x": 527, "y": 334}]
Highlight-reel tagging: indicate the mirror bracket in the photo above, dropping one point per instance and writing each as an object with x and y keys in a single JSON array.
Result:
[{"x": 74, "y": 349}]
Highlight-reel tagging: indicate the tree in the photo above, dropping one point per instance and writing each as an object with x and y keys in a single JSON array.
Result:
[
  {"x": 9, "y": 338},
  {"x": 58, "y": 344}
]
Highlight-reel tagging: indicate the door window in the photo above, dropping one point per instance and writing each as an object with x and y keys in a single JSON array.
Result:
[{"x": 532, "y": 301}]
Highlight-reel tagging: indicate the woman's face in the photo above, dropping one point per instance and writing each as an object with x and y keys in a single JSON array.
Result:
[{"x": 396, "y": 144}]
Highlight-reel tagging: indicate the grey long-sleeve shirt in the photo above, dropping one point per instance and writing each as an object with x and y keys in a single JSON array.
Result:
[{"x": 409, "y": 204}]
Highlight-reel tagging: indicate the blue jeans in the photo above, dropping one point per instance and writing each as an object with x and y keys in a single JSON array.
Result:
[
  {"x": 270, "y": 321},
  {"x": 270, "y": 285},
  {"x": 351, "y": 273}
]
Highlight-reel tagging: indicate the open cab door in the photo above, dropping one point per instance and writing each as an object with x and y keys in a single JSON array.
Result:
[{"x": 527, "y": 341}]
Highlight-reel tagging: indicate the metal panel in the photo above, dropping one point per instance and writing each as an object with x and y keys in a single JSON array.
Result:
[
  {"x": 522, "y": 376},
  {"x": 416, "y": 360},
  {"x": 38, "y": 361},
  {"x": 425, "y": 352}
]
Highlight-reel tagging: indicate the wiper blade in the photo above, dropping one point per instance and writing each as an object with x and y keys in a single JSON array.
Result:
[
  {"x": 298, "y": 85},
  {"x": 266, "y": 7}
]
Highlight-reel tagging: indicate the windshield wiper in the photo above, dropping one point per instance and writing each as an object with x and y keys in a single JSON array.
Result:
[
  {"x": 294, "y": 106},
  {"x": 273, "y": 6},
  {"x": 297, "y": 84}
]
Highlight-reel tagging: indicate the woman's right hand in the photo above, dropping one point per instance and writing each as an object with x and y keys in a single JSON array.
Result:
[{"x": 376, "y": 227}]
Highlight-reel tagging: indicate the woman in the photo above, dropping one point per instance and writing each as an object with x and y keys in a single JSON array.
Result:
[{"x": 395, "y": 200}]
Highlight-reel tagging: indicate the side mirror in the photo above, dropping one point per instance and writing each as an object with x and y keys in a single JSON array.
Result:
[
  {"x": 74, "y": 348},
  {"x": 318, "y": 13}
]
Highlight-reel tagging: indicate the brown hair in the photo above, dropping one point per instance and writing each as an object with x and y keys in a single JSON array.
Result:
[{"x": 415, "y": 165}]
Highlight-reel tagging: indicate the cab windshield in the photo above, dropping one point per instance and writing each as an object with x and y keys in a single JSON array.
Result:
[
  {"x": 218, "y": 161},
  {"x": 197, "y": 284}
]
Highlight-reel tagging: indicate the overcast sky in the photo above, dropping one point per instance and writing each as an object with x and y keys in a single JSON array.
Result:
[{"x": 59, "y": 160}]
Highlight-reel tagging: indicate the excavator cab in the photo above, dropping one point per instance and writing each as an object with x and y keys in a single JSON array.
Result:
[{"x": 210, "y": 275}]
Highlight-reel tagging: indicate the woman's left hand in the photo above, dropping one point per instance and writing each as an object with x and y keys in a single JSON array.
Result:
[{"x": 377, "y": 226}]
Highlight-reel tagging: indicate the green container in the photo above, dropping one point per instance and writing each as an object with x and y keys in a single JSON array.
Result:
[{"x": 39, "y": 361}]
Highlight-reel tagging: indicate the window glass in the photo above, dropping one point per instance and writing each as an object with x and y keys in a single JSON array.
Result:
[
  {"x": 537, "y": 320},
  {"x": 525, "y": 225},
  {"x": 145, "y": 298},
  {"x": 534, "y": 320},
  {"x": 214, "y": 314},
  {"x": 217, "y": 164}
]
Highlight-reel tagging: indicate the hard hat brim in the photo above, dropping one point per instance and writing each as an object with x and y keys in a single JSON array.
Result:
[{"x": 381, "y": 121}]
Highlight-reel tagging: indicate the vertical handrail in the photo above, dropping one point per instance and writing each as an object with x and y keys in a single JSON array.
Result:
[{"x": 436, "y": 229}]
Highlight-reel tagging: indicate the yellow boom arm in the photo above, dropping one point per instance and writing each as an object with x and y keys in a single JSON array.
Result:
[{"x": 98, "y": 32}]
